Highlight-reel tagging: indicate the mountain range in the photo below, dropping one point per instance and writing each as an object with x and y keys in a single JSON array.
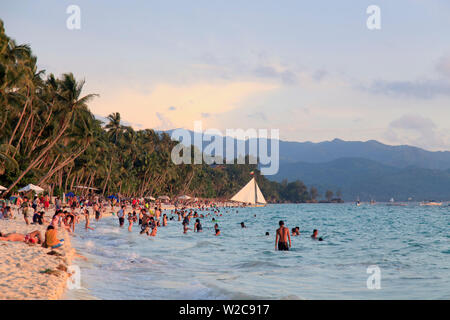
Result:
[{"x": 365, "y": 170}]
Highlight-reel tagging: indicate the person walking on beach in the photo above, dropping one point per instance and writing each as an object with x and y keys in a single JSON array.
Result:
[
  {"x": 282, "y": 237},
  {"x": 26, "y": 210}
]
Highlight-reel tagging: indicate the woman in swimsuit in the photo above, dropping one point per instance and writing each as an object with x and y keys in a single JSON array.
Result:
[{"x": 32, "y": 237}]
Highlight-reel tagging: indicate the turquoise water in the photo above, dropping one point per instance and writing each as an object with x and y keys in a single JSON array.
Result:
[{"x": 410, "y": 245}]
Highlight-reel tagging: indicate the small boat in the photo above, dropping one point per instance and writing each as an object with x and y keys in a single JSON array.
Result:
[
  {"x": 430, "y": 203},
  {"x": 250, "y": 195}
]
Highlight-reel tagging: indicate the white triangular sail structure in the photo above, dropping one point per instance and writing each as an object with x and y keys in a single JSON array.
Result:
[
  {"x": 2, "y": 188},
  {"x": 250, "y": 194}
]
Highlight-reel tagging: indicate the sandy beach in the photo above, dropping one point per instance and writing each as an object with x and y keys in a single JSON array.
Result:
[
  {"x": 28, "y": 272},
  {"x": 23, "y": 266}
]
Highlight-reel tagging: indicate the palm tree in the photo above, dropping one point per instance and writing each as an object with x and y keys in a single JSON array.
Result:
[{"x": 73, "y": 107}]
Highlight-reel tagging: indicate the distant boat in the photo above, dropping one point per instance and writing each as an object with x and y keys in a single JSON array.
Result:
[
  {"x": 430, "y": 203},
  {"x": 392, "y": 200},
  {"x": 250, "y": 194}
]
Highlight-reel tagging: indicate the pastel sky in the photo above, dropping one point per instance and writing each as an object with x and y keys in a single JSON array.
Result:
[{"x": 311, "y": 69}]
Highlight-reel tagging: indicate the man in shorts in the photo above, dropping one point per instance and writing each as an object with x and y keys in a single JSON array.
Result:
[{"x": 282, "y": 238}]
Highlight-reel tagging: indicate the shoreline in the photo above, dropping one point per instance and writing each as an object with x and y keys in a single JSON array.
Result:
[{"x": 28, "y": 272}]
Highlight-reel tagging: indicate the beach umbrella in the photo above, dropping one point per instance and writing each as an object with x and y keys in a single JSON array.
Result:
[
  {"x": 32, "y": 187},
  {"x": 70, "y": 194},
  {"x": 150, "y": 198},
  {"x": 184, "y": 197},
  {"x": 113, "y": 197},
  {"x": 164, "y": 198}
]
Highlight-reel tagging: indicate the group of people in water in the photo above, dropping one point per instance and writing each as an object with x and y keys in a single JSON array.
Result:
[
  {"x": 283, "y": 237},
  {"x": 141, "y": 213}
]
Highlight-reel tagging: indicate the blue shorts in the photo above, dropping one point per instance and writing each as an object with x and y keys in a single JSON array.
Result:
[{"x": 61, "y": 242}]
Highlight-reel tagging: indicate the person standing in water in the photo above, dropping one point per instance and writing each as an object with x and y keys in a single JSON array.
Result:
[
  {"x": 120, "y": 215},
  {"x": 198, "y": 226},
  {"x": 282, "y": 238},
  {"x": 86, "y": 218}
]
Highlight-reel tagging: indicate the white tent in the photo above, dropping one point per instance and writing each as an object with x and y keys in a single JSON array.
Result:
[
  {"x": 32, "y": 187},
  {"x": 184, "y": 197},
  {"x": 164, "y": 198},
  {"x": 250, "y": 194},
  {"x": 150, "y": 198}
]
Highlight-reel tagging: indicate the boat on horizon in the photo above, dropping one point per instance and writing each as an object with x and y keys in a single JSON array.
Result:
[
  {"x": 250, "y": 195},
  {"x": 430, "y": 203}
]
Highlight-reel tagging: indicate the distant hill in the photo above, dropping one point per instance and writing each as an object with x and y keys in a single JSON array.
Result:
[
  {"x": 368, "y": 170},
  {"x": 397, "y": 156},
  {"x": 367, "y": 179}
]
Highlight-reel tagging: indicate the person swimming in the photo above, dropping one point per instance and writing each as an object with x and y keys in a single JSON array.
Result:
[
  {"x": 315, "y": 234},
  {"x": 217, "y": 232},
  {"x": 243, "y": 225}
]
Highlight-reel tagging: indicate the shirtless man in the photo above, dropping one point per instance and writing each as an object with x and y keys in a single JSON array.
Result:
[{"x": 282, "y": 236}]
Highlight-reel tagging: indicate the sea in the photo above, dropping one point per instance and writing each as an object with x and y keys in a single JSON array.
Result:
[{"x": 378, "y": 251}]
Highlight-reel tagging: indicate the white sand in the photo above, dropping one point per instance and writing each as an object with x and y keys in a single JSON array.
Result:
[{"x": 21, "y": 264}]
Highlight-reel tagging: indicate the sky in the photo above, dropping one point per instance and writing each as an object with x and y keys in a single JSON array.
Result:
[{"x": 311, "y": 69}]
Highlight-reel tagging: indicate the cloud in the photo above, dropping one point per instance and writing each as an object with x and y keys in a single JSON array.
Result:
[
  {"x": 257, "y": 116},
  {"x": 319, "y": 75},
  {"x": 165, "y": 123},
  {"x": 193, "y": 102},
  {"x": 419, "y": 131},
  {"x": 422, "y": 89},
  {"x": 287, "y": 77},
  {"x": 443, "y": 66}
]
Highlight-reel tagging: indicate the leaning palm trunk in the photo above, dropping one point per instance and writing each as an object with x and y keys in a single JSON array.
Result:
[
  {"x": 62, "y": 165},
  {"x": 44, "y": 152},
  {"x": 23, "y": 133},
  {"x": 20, "y": 118},
  {"x": 107, "y": 177}
]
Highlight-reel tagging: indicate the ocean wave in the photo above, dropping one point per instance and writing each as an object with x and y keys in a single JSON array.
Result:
[{"x": 255, "y": 264}]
